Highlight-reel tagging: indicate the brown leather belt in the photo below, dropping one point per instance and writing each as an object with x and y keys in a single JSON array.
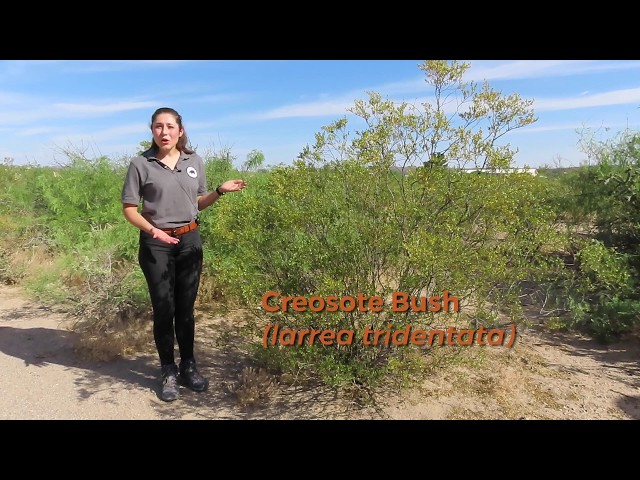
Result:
[{"x": 174, "y": 232}]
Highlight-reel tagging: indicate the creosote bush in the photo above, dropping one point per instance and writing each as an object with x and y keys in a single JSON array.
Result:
[{"x": 344, "y": 219}]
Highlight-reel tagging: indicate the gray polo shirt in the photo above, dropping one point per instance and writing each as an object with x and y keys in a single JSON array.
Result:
[{"x": 169, "y": 197}]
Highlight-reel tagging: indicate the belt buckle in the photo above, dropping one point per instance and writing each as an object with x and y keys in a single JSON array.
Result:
[{"x": 173, "y": 232}]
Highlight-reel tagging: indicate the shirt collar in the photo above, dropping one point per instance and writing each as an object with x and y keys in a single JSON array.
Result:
[{"x": 150, "y": 156}]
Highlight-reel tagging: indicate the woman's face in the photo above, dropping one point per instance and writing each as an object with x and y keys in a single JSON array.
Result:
[{"x": 166, "y": 131}]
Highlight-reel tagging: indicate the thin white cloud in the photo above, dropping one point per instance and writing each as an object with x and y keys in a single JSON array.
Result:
[
  {"x": 12, "y": 98},
  {"x": 106, "y": 134},
  {"x": 85, "y": 109},
  {"x": 33, "y": 109},
  {"x": 479, "y": 71},
  {"x": 193, "y": 126},
  {"x": 518, "y": 69},
  {"x": 337, "y": 106},
  {"x": 523, "y": 69},
  {"x": 546, "y": 128},
  {"x": 220, "y": 98},
  {"x": 16, "y": 69},
  {"x": 30, "y": 132},
  {"x": 511, "y": 70},
  {"x": 627, "y": 96},
  {"x": 572, "y": 126}
]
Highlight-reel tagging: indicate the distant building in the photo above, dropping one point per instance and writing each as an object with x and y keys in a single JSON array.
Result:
[{"x": 530, "y": 171}]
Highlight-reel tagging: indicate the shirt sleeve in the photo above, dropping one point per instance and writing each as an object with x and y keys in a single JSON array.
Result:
[
  {"x": 131, "y": 188},
  {"x": 202, "y": 178}
]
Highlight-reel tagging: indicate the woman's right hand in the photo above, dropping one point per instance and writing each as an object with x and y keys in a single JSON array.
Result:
[{"x": 164, "y": 236}]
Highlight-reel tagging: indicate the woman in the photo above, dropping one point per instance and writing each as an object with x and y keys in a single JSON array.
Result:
[{"x": 170, "y": 180}]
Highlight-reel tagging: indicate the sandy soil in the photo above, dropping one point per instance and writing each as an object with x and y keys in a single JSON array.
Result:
[{"x": 544, "y": 376}]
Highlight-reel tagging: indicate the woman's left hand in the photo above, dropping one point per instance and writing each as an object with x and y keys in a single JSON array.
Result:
[{"x": 232, "y": 186}]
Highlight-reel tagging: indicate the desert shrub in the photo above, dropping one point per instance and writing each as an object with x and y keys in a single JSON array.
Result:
[
  {"x": 80, "y": 198},
  {"x": 599, "y": 289},
  {"x": 388, "y": 210}
]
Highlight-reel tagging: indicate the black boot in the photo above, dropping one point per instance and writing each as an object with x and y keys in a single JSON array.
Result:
[
  {"x": 191, "y": 378},
  {"x": 170, "y": 389}
]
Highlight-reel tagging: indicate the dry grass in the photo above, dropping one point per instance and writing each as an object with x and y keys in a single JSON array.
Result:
[
  {"x": 484, "y": 383},
  {"x": 254, "y": 387},
  {"x": 19, "y": 264},
  {"x": 130, "y": 339},
  {"x": 101, "y": 333}
]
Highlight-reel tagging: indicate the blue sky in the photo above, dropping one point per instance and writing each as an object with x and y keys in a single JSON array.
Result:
[{"x": 103, "y": 107}]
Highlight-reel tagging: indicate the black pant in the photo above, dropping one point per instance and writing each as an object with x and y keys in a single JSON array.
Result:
[{"x": 173, "y": 276}]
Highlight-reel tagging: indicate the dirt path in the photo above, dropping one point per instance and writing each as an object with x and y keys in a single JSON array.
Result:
[{"x": 543, "y": 376}]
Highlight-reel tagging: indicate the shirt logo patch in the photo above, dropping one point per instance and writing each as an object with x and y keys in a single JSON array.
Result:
[{"x": 192, "y": 172}]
